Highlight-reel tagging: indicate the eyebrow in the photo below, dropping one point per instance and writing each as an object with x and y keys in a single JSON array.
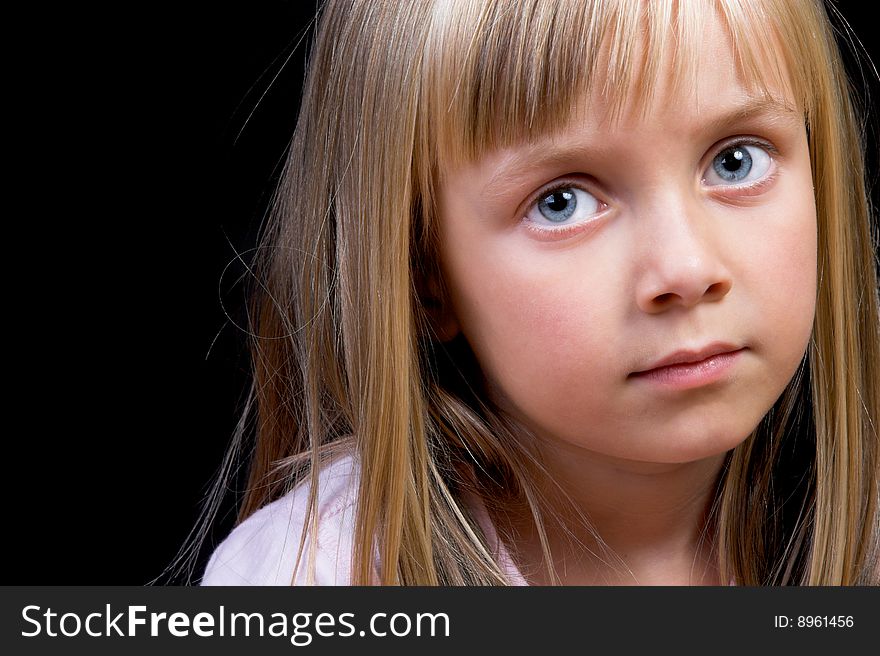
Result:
[
  {"x": 763, "y": 107},
  {"x": 536, "y": 155}
]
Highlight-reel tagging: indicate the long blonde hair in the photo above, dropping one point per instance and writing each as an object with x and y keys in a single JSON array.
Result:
[{"x": 344, "y": 355}]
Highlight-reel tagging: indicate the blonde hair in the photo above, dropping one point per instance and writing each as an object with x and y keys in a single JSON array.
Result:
[{"x": 344, "y": 355}]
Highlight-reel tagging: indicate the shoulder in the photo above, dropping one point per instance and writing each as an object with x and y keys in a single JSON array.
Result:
[{"x": 262, "y": 549}]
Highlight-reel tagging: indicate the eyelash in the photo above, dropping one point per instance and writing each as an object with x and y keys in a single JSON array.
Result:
[{"x": 748, "y": 189}]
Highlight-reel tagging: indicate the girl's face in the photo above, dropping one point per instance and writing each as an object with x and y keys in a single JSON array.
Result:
[{"x": 581, "y": 263}]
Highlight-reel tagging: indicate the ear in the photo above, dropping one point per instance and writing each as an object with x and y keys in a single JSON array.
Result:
[{"x": 439, "y": 310}]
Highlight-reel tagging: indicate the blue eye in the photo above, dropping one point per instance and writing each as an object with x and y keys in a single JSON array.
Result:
[
  {"x": 736, "y": 164},
  {"x": 561, "y": 204}
]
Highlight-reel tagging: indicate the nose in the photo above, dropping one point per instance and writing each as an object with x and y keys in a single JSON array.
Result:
[{"x": 681, "y": 265}]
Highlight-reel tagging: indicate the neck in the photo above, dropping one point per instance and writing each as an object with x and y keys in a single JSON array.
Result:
[{"x": 650, "y": 522}]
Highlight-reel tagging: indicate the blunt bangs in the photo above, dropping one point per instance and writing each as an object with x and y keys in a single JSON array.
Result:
[{"x": 501, "y": 73}]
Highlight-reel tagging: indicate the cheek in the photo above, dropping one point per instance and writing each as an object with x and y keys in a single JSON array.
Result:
[
  {"x": 782, "y": 277},
  {"x": 542, "y": 337}
]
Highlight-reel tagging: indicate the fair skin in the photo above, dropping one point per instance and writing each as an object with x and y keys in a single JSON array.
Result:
[{"x": 578, "y": 260}]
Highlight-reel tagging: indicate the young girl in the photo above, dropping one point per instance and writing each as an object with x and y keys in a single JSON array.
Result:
[{"x": 566, "y": 293}]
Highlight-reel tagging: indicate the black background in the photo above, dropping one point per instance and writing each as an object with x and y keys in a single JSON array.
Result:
[{"x": 144, "y": 141}]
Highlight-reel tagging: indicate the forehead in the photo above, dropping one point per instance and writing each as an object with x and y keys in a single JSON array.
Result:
[{"x": 502, "y": 78}]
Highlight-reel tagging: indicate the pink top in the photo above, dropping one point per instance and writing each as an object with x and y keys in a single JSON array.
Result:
[{"x": 262, "y": 549}]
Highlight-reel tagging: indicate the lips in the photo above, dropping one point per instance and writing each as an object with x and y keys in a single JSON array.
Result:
[{"x": 689, "y": 357}]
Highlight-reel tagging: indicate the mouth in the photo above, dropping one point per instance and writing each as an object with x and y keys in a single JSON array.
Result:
[{"x": 689, "y": 368}]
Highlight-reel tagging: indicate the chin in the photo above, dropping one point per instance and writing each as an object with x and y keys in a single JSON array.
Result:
[{"x": 693, "y": 443}]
